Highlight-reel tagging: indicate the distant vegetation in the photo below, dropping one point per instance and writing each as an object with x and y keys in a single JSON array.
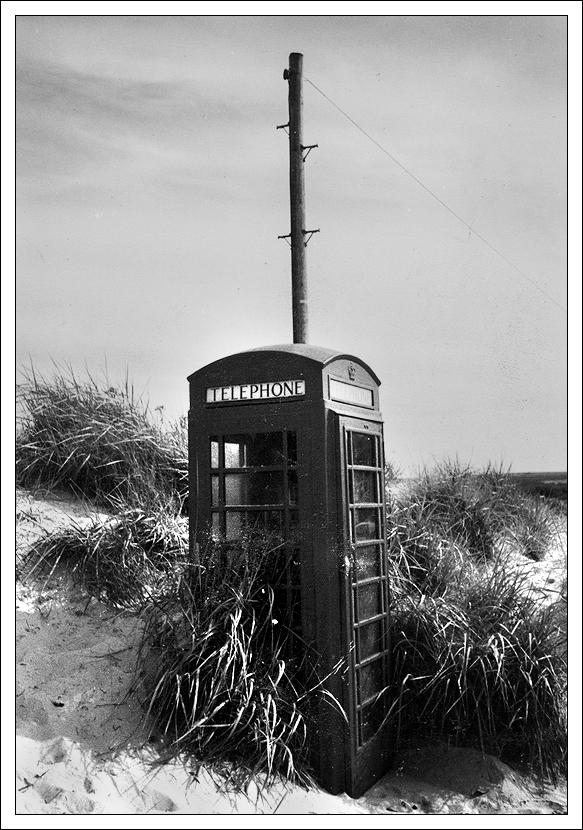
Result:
[
  {"x": 476, "y": 658},
  {"x": 549, "y": 485}
]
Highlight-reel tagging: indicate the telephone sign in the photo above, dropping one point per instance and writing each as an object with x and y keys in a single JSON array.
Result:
[{"x": 256, "y": 391}]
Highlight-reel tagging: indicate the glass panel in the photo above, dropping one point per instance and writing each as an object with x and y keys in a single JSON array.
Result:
[
  {"x": 349, "y": 448},
  {"x": 215, "y": 523},
  {"x": 214, "y": 453},
  {"x": 292, "y": 483},
  {"x": 294, "y": 567},
  {"x": 254, "y": 488},
  {"x": 364, "y": 487},
  {"x": 266, "y": 488},
  {"x": 371, "y": 719},
  {"x": 261, "y": 449},
  {"x": 369, "y": 639},
  {"x": 270, "y": 521},
  {"x": 367, "y": 562},
  {"x": 234, "y": 453},
  {"x": 215, "y": 491},
  {"x": 366, "y": 524},
  {"x": 296, "y": 615},
  {"x": 235, "y": 489},
  {"x": 363, "y": 449},
  {"x": 292, "y": 448},
  {"x": 371, "y": 680},
  {"x": 369, "y": 601},
  {"x": 234, "y": 525},
  {"x": 273, "y": 521}
]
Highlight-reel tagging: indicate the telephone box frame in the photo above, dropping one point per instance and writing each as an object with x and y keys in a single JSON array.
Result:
[{"x": 317, "y": 415}]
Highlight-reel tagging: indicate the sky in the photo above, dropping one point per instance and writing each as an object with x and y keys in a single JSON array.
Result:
[{"x": 152, "y": 186}]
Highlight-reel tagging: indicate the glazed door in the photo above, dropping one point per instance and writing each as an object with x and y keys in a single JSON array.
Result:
[
  {"x": 366, "y": 604},
  {"x": 254, "y": 488}
]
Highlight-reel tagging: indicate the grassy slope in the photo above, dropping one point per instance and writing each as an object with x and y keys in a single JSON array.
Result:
[{"x": 477, "y": 659}]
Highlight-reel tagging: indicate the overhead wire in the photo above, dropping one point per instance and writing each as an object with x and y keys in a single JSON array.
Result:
[{"x": 441, "y": 202}]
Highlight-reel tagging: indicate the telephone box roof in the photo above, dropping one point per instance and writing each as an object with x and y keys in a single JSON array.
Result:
[{"x": 318, "y": 354}]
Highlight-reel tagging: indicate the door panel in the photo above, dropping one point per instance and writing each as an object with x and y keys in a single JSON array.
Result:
[
  {"x": 366, "y": 603},
  {"x": 252, "y": 480}
]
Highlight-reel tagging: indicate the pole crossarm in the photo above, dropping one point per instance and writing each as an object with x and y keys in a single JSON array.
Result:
[
  {"x": 287, "y": 236},
  {"x": 310, "y": 236},
  {"x": 308, "y": 147}
]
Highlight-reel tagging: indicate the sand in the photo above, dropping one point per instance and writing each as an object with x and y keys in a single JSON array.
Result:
[{"x": 75, "y": 661}]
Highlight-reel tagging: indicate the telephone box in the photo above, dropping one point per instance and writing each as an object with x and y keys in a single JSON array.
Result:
[{"x": 290, "y": 438}]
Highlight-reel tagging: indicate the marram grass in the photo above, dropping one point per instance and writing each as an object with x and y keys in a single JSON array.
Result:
[
  {"x": 222, "y": 687},
  {"x": 481, "y": 513},
  {"x": 99, "y": 442},
  {"x": 476, "y": 658},
  {"x": 125, "y": 561}
]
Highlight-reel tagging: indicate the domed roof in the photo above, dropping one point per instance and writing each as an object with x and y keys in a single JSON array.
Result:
[{"x": 318, "y": 354}]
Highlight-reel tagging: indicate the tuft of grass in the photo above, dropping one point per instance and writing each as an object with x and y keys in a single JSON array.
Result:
[
  {"x": 476, "y": 658},
  {"x": 481, "y": 674},
  {"x": 98, "y": 441},
  {"x": 477, "y": 512},
  {"x": 533, "y": 522},
  {"x": 125, "y": 562},
  {"x": 223, "y": 686}
]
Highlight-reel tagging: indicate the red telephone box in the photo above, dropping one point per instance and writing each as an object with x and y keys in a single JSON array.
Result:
[{"x": 290, "y": 438}]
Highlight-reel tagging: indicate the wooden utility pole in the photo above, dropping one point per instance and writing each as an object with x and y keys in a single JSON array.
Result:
[{"x": 297, "y": 211}]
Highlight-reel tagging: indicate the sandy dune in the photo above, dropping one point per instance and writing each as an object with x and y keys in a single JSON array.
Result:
[{"x": 74, "y": 667}]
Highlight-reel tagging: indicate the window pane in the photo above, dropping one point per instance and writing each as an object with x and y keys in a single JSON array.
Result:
[
  {"x": 266, "y": 488},
  {"x": 273, "y": 521},
  {"x": 368, "y": 601},
  {"x": 371, "y": 718},
  {"x": 235, "y": 489},
  {"x": 366, "y": 524},
  {"x": 364, "y": 487},
  {"x": 363, "y": 449},
  {"x": 292, "y": 482},
  {"x": 214, "y": 453},
  {"x": 270, "y": 521},
  {"x": 261, "y": 449},
  {"x": 254, "y": 488},
  {"x": 370, "y": 639},
  {"x": 234, "y": 453},
  {"x": 367, "y": 562},
  {"x": 264, "y": 449},
  {"x": 234, "y": 525},
  {"x": 292, "y": 448},
  {"x": 371, "y": 680},
  {"x": 215, "y": 491}
]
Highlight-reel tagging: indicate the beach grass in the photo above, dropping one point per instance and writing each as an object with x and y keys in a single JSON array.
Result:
[
  {"x": 98, "y": 441},
  {"x": 477, "y": 659}
]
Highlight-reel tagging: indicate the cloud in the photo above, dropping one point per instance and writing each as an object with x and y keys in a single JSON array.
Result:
[{"x": 74, "y": 127}]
